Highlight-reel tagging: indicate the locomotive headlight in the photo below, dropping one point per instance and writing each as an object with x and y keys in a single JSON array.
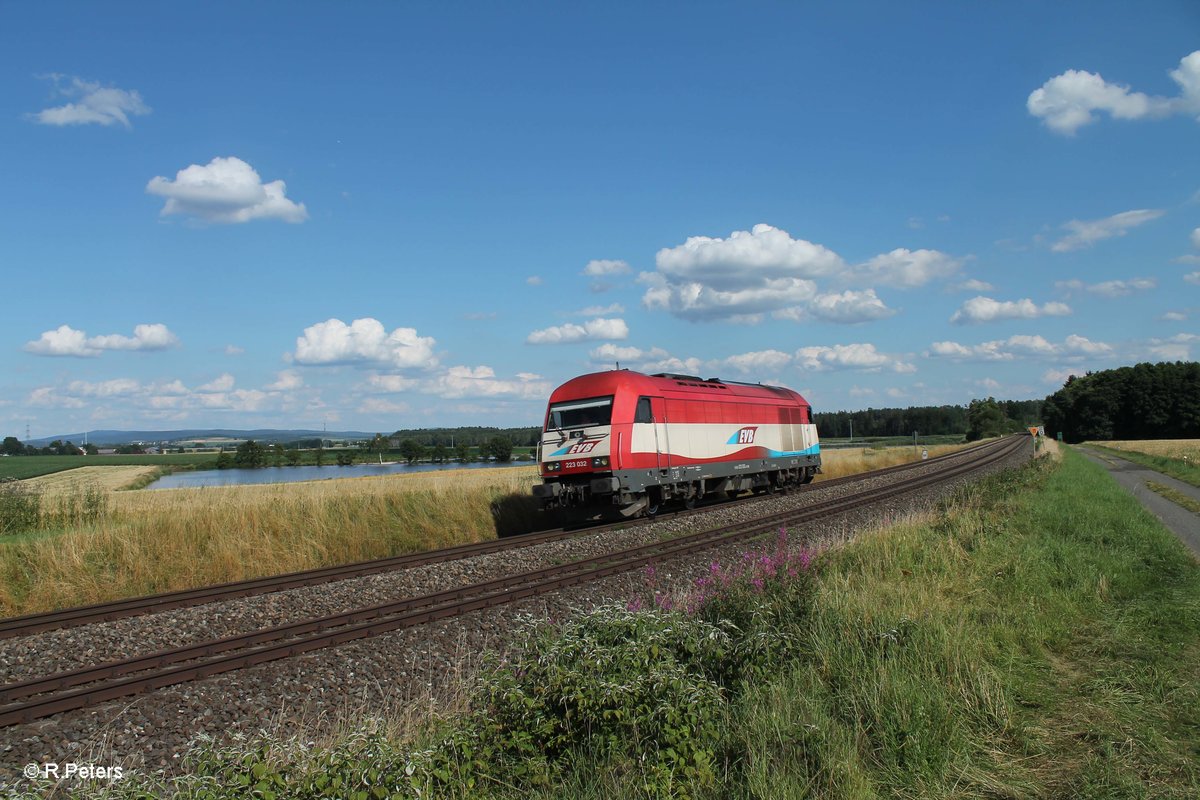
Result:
[
  {"x": 552, "y": 466},
  {"x": 600, "y": 461}
]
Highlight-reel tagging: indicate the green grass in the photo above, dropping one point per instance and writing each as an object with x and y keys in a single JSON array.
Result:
[
  {"x": 1178, "y": 498},
  {"x": 22, "y": 467},
  {"x": 1038, "y": 637},
  {"x": 1175, "y": 467},
  {"x": 1045, "y": 644}
]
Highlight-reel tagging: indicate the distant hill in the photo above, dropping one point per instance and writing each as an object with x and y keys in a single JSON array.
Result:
[{"x": 269, "y": 435}]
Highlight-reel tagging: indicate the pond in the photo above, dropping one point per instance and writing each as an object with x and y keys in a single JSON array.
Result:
[{"x": 239, "y": 477}]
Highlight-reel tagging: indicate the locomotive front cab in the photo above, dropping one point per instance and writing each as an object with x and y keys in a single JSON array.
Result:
[{"x": 575, "y": 452}]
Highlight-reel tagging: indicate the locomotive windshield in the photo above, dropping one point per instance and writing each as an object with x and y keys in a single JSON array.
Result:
[{"x": 579, "y": 413}]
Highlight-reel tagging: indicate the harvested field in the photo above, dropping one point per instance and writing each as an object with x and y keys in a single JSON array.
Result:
[
  {"x": 109, "y": 479},
  {"x": 1188, "y": 449}
]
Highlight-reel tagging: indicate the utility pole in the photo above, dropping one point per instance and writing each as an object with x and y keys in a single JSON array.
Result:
[{"x": 852, "y": 430}]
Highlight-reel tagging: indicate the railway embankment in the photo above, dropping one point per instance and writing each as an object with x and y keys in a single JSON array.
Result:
[{"x": 1034, "y": 634}]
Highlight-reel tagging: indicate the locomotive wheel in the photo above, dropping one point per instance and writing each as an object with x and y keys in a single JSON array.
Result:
[{"x": 689, "y": 502}]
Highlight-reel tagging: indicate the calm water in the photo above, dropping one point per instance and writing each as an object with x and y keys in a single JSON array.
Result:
[{"x": 236, "y": 477}]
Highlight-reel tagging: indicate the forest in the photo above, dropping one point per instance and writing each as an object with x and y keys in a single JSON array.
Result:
[
  {"x": 1145, "y": 401},
  {"x": 927, "y": 420}
]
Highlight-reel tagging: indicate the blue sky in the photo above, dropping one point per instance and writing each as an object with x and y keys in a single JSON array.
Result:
[{"x": 388, "y": 215}]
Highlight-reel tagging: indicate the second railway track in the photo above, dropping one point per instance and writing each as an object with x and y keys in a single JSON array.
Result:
[
  {"x": 56, "y": 693},
  {"x": 120, "y": 609}
]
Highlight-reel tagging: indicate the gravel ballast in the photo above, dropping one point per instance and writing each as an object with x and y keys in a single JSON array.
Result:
[{"x": 395, "y": 674}]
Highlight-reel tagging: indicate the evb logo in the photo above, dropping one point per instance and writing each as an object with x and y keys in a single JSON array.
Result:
[{"x": 743, "y": 436}]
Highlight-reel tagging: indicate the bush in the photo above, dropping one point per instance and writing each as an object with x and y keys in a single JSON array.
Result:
[
  {"x": 19, "y": 508},
  {"x": 614, "y": 685}
]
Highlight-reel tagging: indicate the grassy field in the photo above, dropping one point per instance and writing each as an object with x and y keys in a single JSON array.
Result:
[
  {"x": 107, "y": 478},
  {"x": 1039, "y": 636},
  {"x": 842, "y": 462},
  {"x": 99, "y": 544},
  {"x": 21, "y": 467},
  {"x": 1179, "y": 458},
  {"x": 154, "y": 541},
  {"x": 1165, "y": 448}
]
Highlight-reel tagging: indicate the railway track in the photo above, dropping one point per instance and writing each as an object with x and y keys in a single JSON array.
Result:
[
  {"x": 120, "y": 609},
  {"x": 57, "y": 693}
]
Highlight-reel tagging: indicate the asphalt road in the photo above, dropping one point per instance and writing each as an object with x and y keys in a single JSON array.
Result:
[{"x": 1183, "y": 523}]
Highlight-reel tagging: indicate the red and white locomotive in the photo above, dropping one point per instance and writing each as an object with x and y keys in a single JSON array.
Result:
[{"x": 634, "y": 442}]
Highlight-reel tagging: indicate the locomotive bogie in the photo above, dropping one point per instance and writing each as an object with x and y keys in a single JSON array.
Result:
[{"x": 635, "y": 442}]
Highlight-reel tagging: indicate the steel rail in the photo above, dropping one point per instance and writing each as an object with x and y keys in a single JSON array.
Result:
[
  {"x": 185, "y": 598},
  {"x": 420, "y": 610}
]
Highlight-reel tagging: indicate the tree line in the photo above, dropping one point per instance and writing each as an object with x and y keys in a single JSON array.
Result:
[
  {"x": 12, "y": 446},
  {"x": 252, "y": 455},
  {"x": 928, "y": 420},
  {"x": 1145, "y": 401},
  {"x": 470, "y": 436}
]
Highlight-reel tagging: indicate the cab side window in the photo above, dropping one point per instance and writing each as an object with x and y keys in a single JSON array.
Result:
[{"x": 643, "y": 413}]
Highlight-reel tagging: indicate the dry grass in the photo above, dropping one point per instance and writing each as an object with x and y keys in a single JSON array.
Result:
[
  {"x": 109, "y": 479},
  {"x": 1188, "y": 449},
  {"x": 839, "y": 463},
  {"x": 156, "y": 541},
  {"x": 162, "y": 540}
]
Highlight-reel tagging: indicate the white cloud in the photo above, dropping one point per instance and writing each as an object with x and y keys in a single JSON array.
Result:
[
  {"x": 392, "y": 383},
  {"x": 66, "y": 341},
  {"x": 1058, "y": 376},
  {"x": 234, "y": 350},
  {"x": 481, "y": 381},
  {"x": 287, "y": 380},
  {"x": 48, "y": 397},
  {"x": 1173, "y": 348},
  {"x": 1192, "y": 277},
  {"x": 157, "y": 400},
  {"x": 92, "y": 104},
  {"x": 763, "y": 271},
  {"x": 746, "y": 258},
  {"x": 600, "y": 311},
  {"x": 758, "y": 362},
  {"x": 608, "y": 353},
  {"x": 378, "y": 405},
  {"x": 860, "y": 391},
  {"x": 1123, "y": 288},
  {"x": 1018, "y": 347},
  {"x": 696, "y": 301},
  {"x": 1085, "y": 233},
  {"x": 1196, "y": 238},
  {"x": 364, "y": 341},
  {"x": 1174, "y": 316},
  {"x": 985, "y": 309},
  {"x": 117, "y": 387},
  {"x": 1109, "y": 288},
  {"x": 593, "y": 329},
  {"x": 972, "y": 285},
  {"x": 649, "y": 361},
  {"x": 145, "y": 337},
  {"x": 534, "y": 280},
  {"x": 226, "y": 190},
  {"x": 1066, "y": 102},
  {"x": 849, "y": 307},
  {"x": 906, "y": 269},
  {"x": 1188, "y": 259},
  {"x": 950, "y": 350},
  {"x": 861, "y": 356},
  {"x": 222, "y": 383},
  {"x": 601, "y": 267}
]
